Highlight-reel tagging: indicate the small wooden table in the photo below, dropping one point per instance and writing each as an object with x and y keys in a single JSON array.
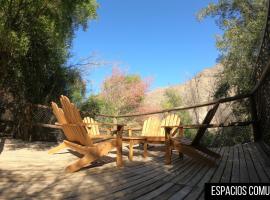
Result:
[{"x": 134, "y": 140}]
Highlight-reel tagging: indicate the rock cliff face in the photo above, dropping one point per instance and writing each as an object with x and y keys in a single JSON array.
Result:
[{"x": 199, "y": 89}]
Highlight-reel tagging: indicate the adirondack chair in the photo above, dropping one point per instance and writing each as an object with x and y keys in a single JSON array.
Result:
[
  {"x": 78, "y": 138},
  {"x": 91, "y": 126},
  {"x": 159, "y": 136},
  {"x": 152, "y": 132},
  {"x": 192, "y": 148}
]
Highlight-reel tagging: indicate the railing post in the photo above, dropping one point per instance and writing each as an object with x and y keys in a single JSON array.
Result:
[
  {"x": 115, "y": 122},
  {"x": 119, "y": 159},
  {"x": 255, "y": 122}
]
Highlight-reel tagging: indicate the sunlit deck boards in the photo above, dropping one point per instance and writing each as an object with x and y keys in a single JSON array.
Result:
[{"x": 22, "y": 175}]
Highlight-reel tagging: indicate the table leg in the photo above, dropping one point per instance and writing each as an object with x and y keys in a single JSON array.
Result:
[
  {"x": 145, "y": 150},
  {"x": 131, "y": 150}
]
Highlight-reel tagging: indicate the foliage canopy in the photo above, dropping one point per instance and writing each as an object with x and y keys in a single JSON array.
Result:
[
  {"x": 35, "y": 37},
  {"x": 242, "y": 22}
]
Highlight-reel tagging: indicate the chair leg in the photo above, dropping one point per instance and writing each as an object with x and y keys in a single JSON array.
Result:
[
  {"x": 84, "y": 161},
  {"x": 181, "y": 155},
  {"x": 145, "y": 154},
  {"x": 168, "y": 155},
  {"x": 58, "y": 148}
]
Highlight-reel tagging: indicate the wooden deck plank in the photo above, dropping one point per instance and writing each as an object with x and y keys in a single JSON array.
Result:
[
  {"x": 201, "y": 173},
  {"x": 264, "y": 154},
  {"x": 143, "y": 179},
  {"x": 188, "y": 170},
  {"x": 122, "y": 177},
  {"x": 226, "y": 176},
  {"x": 122, "y": 182},
  {"x": 199, "y": 187},
  {"x": 266, "y": 149},
  {"x": 263, "y": 177},
  {"x": 218, "y": 173},
  {"x": 132, "y": 187},
  {"x": 137, "y": 190},
  {"x": 156, "y": 192},
  {"x": 125, "y": 185},
  {"x": 236, "y": 165},
  {"x": 146, "y": 189},
  {"x": 207, "y": 177},
  {"x": 253, "y": 177},
  {"x": 194, "y": 175},
  {"x": 181, "y": 193},
  {"x": 170, "y": 192},
  {"x": 185, "y": 165},
  {"x": 244, "y": 177},
  {"x": 261, "y": 159}
]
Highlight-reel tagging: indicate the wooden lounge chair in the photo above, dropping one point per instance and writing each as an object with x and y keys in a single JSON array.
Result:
[
  {"x": 151, "y": 127},
  {"x": 152, "y": 132},
  {"x": 91, "y": 126},
  {"x": 157, "y": 135},
  {"x": 94, "y": 129},
  {"x": 78, "y": 138},
  {"x": 192, "y": 148}
]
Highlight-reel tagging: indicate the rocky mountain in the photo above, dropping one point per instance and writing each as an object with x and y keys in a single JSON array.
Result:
[{"x": 199, "y": 89}]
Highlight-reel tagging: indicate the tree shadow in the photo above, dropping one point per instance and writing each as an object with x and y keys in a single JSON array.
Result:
[
  {"x": 2, "y": 144},
  {"x": 100, "y": 179},
  {"x": 16, "y": 144}
]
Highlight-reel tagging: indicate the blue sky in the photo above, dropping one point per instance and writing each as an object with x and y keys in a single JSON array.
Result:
[{"x": 161, "y": 39}]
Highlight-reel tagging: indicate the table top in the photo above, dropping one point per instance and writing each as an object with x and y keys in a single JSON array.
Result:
[{"x": 133, "y": 138}]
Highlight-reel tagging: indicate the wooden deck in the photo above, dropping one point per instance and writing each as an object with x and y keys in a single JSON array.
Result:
[{"x": 27, "y": 171}]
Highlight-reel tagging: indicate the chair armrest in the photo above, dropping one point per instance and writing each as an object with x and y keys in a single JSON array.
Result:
[
  {"x": 179, "y": 128},
  {"x": 134, "y": 129},
  {"x": 130, "y": 129},
  {"x": 102, "y": 137}
]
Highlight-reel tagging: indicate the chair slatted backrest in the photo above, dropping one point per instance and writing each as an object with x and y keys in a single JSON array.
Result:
[
  {"x": 73, "y": 126},
  {"x": 151, "y": 127},
  {"x": 60, "y": 116},
  {"x": 92, "y": 126},
  {"x": 170, "y": 120},
  {"x": 73, "y": 117}
]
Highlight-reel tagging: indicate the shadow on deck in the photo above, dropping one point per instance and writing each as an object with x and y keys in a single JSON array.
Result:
[{"x": 27, "y": 173}]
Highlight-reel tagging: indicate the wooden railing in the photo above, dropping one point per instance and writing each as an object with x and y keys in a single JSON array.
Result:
[{"x": 209, "y": 103}]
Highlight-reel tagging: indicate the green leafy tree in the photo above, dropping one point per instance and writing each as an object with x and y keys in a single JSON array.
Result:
[
  {"x": 35, "y": 37},
  {"x": 242, "y": 22},
  {"x": 93, "y": 105},
  {"x": 172, "y": 100}
]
